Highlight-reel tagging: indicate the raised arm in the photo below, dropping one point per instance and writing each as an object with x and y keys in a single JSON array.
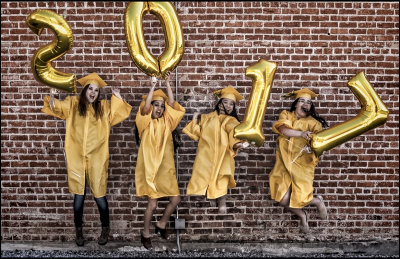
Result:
[
  {"x": 171, "y": 99},
  {"x": 147, "y": 104},
  {"x": 115, "y": 91}
]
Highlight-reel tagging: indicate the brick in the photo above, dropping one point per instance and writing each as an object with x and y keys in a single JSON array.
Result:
[{"x": 316, "y": 44}]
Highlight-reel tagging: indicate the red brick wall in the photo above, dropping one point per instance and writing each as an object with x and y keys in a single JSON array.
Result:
[{"x": 315, "y": 44}]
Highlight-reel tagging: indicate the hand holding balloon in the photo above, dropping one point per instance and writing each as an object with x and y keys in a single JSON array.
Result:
[
  {"x": 153, "y": 81},
  {"x": 116, "y": 91},
  {"x": 306, "y": 135},
  {"x": 240, "y": 145},
  {"x": 195, "y": 115}
]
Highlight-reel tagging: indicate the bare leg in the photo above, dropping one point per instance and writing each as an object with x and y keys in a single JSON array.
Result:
[
  {"x": 173, "y": 202},
  {"x": 299, "y": 212},
  {"x": 213, "y": 202},
  {"x": 222, "y": 204},
  {"x": 319, "y": 203},
  {"x": 148, "y": 215}
]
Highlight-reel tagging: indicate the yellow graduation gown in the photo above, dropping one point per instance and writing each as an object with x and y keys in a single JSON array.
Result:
[
  {"x": 86, "y": 141},
  {"x": 293, "y": 166},
  {"x": 214, "y": 166},
  {"x": 155, "y": 174}
]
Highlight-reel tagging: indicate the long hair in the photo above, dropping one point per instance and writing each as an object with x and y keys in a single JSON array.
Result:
[
  {"x": 83, "y": 103},
  {"x": 233, "y": 113},
  {"x": 176, "y": 138},
  {"x": 311, "y": 113}
]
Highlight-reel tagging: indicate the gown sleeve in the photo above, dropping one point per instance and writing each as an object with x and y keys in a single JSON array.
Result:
[
  {"x": 120, "y": 110},
  {"x": 316, "y": 127},
  {"x": 230, "y": 129},
  {"x": 283, "y": 120},
  {"x": 173, "y": 115},
  {"x": 193, "y": 129},
  {"x": 60, "y": 110},
  {"x": 142, "y": 121}
]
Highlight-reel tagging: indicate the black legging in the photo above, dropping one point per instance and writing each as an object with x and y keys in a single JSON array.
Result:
[{"x": 102, "y": 205}]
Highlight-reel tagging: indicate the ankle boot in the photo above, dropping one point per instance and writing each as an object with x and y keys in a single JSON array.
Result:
[
  {"x": 79, "y": 236},
  {"x": 103, "y": 239}
]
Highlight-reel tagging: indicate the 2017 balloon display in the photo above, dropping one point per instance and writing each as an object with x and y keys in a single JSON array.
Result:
[
  {"x": 373, "y": 114},
  {"x": 262, "y": 74},
  {"x": 174, "y": 44},
  {"x": 41, "y": 61}
]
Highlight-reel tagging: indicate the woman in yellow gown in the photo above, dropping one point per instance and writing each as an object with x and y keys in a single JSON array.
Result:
[
  {"x": 291, "y": 179},
  {"x": 87, "y": 128},
  {"x": 214, "y": 166},
  {"x": 155, "y": 174}
]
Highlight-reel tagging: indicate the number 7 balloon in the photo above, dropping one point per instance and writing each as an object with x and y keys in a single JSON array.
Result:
[
  {"x": 41, "y": 61},
  {"x": 373, "y": 114}
]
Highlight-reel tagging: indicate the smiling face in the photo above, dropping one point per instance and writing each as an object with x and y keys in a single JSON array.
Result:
[
  {"x": 303, "y": 107},
  {"x": 92, "y": 92},
  {"x": 158, "y": 109},
  {"x": 228, "y": 104}
]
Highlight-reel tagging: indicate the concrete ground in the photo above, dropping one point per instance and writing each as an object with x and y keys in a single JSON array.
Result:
[{"x": 168, "y": 249}]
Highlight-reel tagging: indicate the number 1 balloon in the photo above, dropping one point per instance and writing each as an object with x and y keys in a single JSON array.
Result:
[
  {"x": 262, "y": 74},
  {"x": 41, "y": 61}
]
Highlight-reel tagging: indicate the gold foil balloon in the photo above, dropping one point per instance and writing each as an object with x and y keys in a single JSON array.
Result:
[
  {"x": 373, "y": 114},
  {"x": 174, "y": 45},
  {"x": 262, "y": 74},
  {"x": 41, "y": 61},
  {"x": 135, "y": 39}
]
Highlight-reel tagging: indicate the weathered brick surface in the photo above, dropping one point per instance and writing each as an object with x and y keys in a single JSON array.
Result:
[{"x": 320, "y": 45}]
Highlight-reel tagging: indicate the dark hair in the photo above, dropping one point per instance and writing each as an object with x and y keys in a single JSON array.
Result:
[
  {"x": 176, "y": 138},
  {"x": 233, "y": 113},
  {"x": 82, "y": 105},
  {"x": 311, "y": 112}
]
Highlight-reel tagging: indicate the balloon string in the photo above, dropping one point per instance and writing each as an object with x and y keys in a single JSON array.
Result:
[
  {"x": 305, "y": 148},
  {"x": 52, "y": 92},
  {"x": 52, "y": 107}
]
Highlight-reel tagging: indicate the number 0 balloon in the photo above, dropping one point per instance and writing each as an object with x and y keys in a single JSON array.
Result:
[
  {"x": 174, "y": 45},
  {"x": 41, "y": 61},
  {"x": 373, "y": 114}
]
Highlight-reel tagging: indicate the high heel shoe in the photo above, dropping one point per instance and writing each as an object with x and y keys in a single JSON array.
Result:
[
  {"x": 163, "y": 231},
  {"x": 146, "y": 242}
]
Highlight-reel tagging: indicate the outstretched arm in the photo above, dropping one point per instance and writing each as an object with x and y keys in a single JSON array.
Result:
[
  {"x": 171, "y": 99},
  {"x": 147, "y": 104},
  {"x": 294, "y": 133}
]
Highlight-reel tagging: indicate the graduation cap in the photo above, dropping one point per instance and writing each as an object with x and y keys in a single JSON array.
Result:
[
  {"x": 229, "y": 93},
  {"x": 92, "y": 78},
  {"x": 157, "y": 95},
  {"x": 305, "y": 92}
]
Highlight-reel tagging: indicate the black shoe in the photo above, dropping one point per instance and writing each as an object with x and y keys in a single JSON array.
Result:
[
  {"x": 146, "y": 241},
  {"x": 163, "y": 231},
  {"x": 79, "y": 240},
  {"x": 103, "y": 239}
]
